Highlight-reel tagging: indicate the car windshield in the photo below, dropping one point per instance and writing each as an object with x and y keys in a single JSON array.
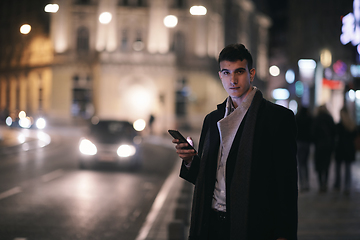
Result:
[{"x": 112, "y": 131}]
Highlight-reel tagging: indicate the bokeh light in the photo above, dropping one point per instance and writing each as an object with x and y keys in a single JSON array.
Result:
[
  {"x": 170, "y": 21},
  {"x": 105, "y": 17},
  {"x": 25, "y": 29},
  {"x": 139, "y": 125}
]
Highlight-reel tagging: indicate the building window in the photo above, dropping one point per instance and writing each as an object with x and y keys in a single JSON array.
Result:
[
  {"x": 124, "y": 40},
  {"x": 138, "y": 45},
  {"x": 17, "y": 95},
  {"x": 123, "y": 3},
  {"x": 178, "y": 46},
  {"x": 83, "y": 2},
  {"x": 82, "y": 97},
  {"x": 75, "y": 80},
  {"x": 179, "y": 4},
  {"x": 132, "y": 3},
  {"x": 41, "y": 99},
  {"x": 82, "y": 43},
  {"x": 181, "y": 98},
  {"x": 142, "y": 3}
]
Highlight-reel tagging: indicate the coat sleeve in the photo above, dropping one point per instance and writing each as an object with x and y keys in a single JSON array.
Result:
[
  {"x": 191, "y": 174},
  {"x": 285, "y": 149}
]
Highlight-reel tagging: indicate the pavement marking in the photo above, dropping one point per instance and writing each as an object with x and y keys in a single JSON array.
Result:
[
  {"x": 158, "y": 203},
  {"x": 10, "y": 192},
  {"x": 52, "y": 175},
  {"x": 45, "y": 178}
]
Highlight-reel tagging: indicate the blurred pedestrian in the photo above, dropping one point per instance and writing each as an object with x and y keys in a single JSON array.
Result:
[
  {"x": 345, "y": 149},
  {"x": 245, "y": 170},
  {"x": 304, "y": 122},
  {"x": 151, "y": 122},
  {"x": 324, "y": 138}
]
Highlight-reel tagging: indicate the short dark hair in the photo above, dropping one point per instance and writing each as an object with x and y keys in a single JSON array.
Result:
[{"x": 234, "y": 52}]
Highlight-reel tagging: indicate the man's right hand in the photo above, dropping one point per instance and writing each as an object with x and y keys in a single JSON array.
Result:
[{"x": 183, "y": 152}]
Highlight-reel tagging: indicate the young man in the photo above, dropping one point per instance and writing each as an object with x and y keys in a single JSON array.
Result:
[{"x": 245, "y": 170}]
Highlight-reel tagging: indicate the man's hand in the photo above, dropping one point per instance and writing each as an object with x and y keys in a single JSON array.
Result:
[{"x": 185, "y": 154}]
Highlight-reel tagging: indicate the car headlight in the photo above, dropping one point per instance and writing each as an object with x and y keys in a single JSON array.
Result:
[
  {"x": 126, "y": 150},
  {"x": 41, "y": 123},
  {"x": 87, "y": 147},
  {"x": 25, "y": 122},
  {"x": 9, "y": 121}
]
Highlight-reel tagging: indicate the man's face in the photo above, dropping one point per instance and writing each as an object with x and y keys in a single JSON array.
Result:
[{"x": 236, "y": 78}]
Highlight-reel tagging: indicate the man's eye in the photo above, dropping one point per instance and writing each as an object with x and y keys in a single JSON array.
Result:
[
  {"x": 239, "y": 72},
  {"x": 226, "y": 73}
]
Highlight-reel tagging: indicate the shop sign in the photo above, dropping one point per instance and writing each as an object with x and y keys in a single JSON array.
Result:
[
  {"x": 333, "y": 84},
  {"x": 351, "y": 26}
]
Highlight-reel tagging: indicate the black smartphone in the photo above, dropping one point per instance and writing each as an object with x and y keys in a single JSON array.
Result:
[{"x": 177, "y": 135}]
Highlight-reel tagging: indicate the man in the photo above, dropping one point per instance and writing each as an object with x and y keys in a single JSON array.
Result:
[{"x": 245, "y": 170}]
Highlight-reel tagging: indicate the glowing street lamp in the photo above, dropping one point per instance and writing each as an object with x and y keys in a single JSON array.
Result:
[
  {"x": 51, "y": 8},
  {"x": 25, "y": 29},
  {"x": 170, "y": 21},
  {"x": 105, "y": 17},
  {"x": 198, "y": 10}
]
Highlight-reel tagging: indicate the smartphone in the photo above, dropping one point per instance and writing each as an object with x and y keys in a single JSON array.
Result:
[{"x": 177, "y": 135}]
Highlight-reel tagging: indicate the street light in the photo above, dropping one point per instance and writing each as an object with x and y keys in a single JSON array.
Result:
[
  {"x": 25, "y": 29},
  {"x": 198, "y": 10},
  {"x": 51, "y": 8},
  {"x": 105, "y": 17},
  {"x": 170, "y": 21}
]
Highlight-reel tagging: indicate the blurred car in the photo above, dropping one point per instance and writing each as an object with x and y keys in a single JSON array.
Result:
[
  {"x": 111, "y": 142},
  {"x": 25, "y": 122}
]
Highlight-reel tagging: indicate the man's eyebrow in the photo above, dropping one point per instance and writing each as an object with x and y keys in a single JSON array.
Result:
[{"x": 238, "y": 69}]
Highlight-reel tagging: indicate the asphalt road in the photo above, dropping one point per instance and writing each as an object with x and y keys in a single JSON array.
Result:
[{"x": 44, "y": 195}]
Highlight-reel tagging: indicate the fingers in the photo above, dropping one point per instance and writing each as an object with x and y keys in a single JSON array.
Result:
[{"x": 183, "y": 151}]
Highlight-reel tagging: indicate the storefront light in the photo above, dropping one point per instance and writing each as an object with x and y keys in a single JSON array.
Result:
[
  {"x": 326, "y": 58},
  {"x": 357, "y": 94},
  {"x": 351, "y": 95},
  {"x": 293, "y": 105},
  {"x": 280, "y": 94},
  {"x": 290, "y": 76},
  {"x": 307, "y": 68},
  {"x": 274, "y": 71}
]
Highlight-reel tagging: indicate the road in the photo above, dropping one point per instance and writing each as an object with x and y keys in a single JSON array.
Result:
[{"x": 43, "y": 194}]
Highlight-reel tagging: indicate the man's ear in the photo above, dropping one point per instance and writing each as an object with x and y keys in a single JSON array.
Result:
[
  {"x": 252, "y": 74},
  {"x": 219, "y": 72}
]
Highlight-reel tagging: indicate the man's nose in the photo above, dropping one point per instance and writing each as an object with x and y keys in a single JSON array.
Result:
[{"x": 233, "y": 78}]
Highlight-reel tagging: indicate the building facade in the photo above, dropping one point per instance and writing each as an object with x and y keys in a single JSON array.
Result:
[{"x": 132, "y": 66}]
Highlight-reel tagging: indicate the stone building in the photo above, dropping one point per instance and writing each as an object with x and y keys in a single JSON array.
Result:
[{"x": 133, "y": 65}]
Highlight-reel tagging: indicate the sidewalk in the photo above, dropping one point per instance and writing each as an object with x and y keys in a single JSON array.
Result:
[
  {"x": 322, "y": 216},
  {"x": 331, "y": 215}
]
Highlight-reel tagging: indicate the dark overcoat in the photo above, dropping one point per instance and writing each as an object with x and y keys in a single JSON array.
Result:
[
  {"x": 345, "y": 144},
  {"x": 261, "y": 174}
]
